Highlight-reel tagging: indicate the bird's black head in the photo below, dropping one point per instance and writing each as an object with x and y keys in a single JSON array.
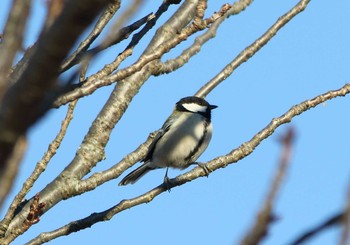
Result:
[{"x": 195, "y": 105}]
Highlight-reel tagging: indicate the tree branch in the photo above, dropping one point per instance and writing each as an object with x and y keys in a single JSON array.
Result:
[
  {"x": 252, "y": 49},
  {"x": 12, "y": 39},
  {"x": 114, "y": 172},
  {"x": 8, "y": 176}
]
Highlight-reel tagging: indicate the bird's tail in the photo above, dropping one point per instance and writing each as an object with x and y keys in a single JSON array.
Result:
[{"x": 136, "y": 174}]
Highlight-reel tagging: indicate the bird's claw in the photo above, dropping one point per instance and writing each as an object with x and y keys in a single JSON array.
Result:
[
  {"x": 167, "y": 183},
  {"x": 204, "y": 167}
]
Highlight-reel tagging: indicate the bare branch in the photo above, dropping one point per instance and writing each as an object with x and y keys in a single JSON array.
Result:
[
  {"x": 260, "y": 228},
  {"x": 252, "y": 49}
]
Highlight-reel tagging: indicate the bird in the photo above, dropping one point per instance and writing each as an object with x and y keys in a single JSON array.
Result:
[{"x": 182, "y": 139}]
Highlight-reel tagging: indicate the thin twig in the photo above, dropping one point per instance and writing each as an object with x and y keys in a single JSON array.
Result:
[
  {"x": 119, "y": 36},
  {"x": 346, "y": 222},
  {"x": 116, "y": 27},
  {"x": 330, "y": 222},
  {"x": 114, "y": 172},
  {"x": 219, "y": 162},
  {"x": 260, "y": 228},
  {"x": 111, "y": 9},
  {"x": 252, "y": 49},
  {"x": 174, "y": 64},
  {"x": 122, "y": 34}
]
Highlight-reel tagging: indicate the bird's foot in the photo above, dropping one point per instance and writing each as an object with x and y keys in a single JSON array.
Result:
[
  {"x": 167, "y": 183},
  {"x": 204, "y": 167}
]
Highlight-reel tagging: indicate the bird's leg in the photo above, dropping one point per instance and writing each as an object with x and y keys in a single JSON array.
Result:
[
  {"x": 204, "y": 167},
  {"x": 167, "y": 181}
]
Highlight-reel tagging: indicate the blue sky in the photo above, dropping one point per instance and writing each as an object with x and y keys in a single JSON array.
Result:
[{"x": 309, "y": 56}]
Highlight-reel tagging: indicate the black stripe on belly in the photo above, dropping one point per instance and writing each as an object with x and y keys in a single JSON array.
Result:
[{"x": 195, "y": 150}]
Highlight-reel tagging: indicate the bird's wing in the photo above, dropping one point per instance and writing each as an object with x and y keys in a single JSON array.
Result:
[{"x": 159, "y": 135}]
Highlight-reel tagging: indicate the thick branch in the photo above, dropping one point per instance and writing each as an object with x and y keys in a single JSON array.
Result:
[
  {"x": 12, "y": 39},
  {"x": 8, "y": 176}
]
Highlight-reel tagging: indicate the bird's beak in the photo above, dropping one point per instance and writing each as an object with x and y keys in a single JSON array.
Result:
[{"x": 211, "y": 107}]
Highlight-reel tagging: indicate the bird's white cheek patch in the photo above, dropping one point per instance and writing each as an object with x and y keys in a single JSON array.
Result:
[{"x": 195, "y": 107}]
